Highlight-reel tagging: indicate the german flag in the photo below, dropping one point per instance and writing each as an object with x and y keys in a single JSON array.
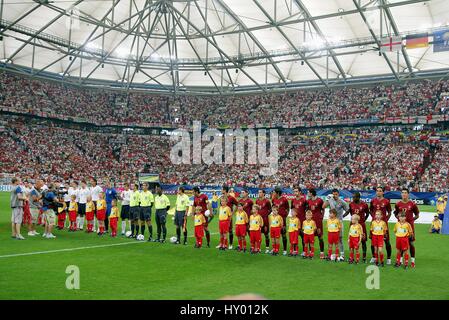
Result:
[{"x": 417, "y": 41}]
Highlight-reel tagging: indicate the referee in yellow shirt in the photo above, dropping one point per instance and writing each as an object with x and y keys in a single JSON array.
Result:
[
  {"x": 162, "y": 205},
  {"x": 182, "y": 204},
  {"x": 146, "y": 203},
  {"x": 134, "y": 210}
]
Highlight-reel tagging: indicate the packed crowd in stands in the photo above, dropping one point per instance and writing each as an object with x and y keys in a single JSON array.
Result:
[
  {"x": 56, "y": 99},
  {"x": 352, "y": 158}
]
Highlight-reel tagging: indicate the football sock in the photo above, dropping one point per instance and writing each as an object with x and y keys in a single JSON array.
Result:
[
  {"x": 357, "y": 255},
  {"x": 267, "y": 241},
  {"x": 306, "y": 250},
  {"x": 123, "y": 226},
  {"x": 406, "y": 259},
  {"x": 185, "y": 236},
  {"x": 312, "y": 251},
  {"x": 364, "y": 249},
  {"x": 381, "y": 257},
  {"x": 321, "y": 245},
  {"x": 77, "y": 222},
  {"x": 337, "y": 252},
  {"x": 164, "y": 231},
  {"x": 412, "y": 251},
  {"x": 398, "y": 257},
  {"x": 226, "y": 242},
  {"x": 240, "y": 243},
  {"x": 207, "y": 236},
  {"x": 284, "y": 242},
  {"x": 231, "y": 237},
  {"x": 81, "y": 222},
  {"x": 329, "y": 253},
  {"x": 388, "y": 247},
  {"x": 132, "y": 228},
  {"x": 351, "y": 255},
  {"x": 178, "y": 233},
  {"x": 372, "y": 251},
  {"x": 142, "y": 229}
]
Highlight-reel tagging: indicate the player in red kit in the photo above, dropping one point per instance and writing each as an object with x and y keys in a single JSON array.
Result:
[
  {"x": 232, "y": 203},
  {"x": 382, "y": 204},
  {"x": 299, "y": 204},
  {"x": 284, "y": 207},
  {"x": 407, "y": 206},
  {"x": 247, "y": 204},
  {"x": 201, "y": 200},
  {"x": 315, "y": 204},
  {"x": 264, "y": 205},
  {"x": 360, "y": 208}
]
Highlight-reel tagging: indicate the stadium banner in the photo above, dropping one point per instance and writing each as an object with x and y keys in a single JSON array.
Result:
[
  {"x": 441, "y": 41},
  {"x": 427, "y": 198}
]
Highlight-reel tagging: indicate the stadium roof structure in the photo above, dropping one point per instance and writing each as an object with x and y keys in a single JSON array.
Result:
[{"x": 219, "y": 46}]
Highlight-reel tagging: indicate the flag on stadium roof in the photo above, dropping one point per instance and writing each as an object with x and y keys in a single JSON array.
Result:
[
  {"x": 389, "y": 44},
  {"x": 417, "y": 41},
  {"x": 441, "y": 41}
]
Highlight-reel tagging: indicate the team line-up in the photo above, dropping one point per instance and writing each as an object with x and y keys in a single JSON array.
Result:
[{"x": 275, "y": 219}]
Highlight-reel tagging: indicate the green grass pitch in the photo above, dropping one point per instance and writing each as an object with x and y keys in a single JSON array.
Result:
[{"x": 140, "y": 270}]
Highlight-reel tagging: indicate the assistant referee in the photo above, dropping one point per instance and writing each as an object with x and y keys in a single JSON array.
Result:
[
  {"x": 162, "y": 205},
  {"x": 182, "y": 202}
]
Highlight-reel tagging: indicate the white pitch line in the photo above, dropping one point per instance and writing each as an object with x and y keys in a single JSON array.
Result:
[
  {"x": 69, "y": 249},
  {"x": 79, "y": 248}
]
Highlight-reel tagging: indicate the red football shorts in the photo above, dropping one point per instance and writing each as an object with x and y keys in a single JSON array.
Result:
[
  {"x": 319, "y": 227},
  {"x": 333, "y": 237},
  {"x": 377, "y": 240},
  {"x": 387, "y": 234},
  {"x": 207, "y": 220},
  {"x": 240, "y": 230},
  {"x": 113, "y": 223},
  {"x": 89, "y": 216},
  {"x": 309, "y": 238},
  {"x": 293, "y": 237},
  {"x": 275, "y": 232},
  {"x": 354, "y": 242},
  {"x": 223, "y": 226},
  {"x": 101, "y": 214},
  {"x": 72, "y": 216},
  {"x": 255, "y": 235},
  {"x": 199, "y": 231},
  {"x": 413, "y": 238},
  {"x": 402, "y": 243}
]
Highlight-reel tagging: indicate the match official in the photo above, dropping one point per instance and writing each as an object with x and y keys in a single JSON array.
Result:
[
  {"x": 182, "y": 202},
  {"x": 162, "y": 205},
  {"x": 134, "y": 210}
]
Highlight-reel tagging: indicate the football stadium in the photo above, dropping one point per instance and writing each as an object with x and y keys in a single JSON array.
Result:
[{"x": 224, "y": 149}]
